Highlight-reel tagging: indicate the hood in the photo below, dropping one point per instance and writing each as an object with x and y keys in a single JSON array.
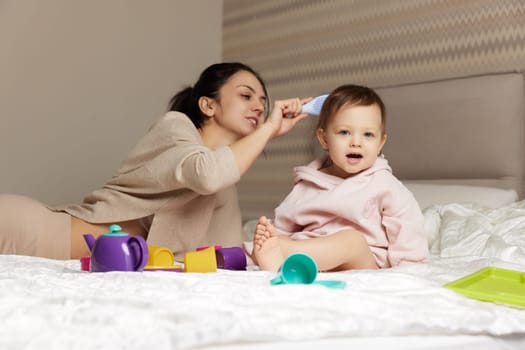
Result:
[{"x": 312, "y": 174}]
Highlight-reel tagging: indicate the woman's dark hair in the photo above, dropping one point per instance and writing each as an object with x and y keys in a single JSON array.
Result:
[
  {"x": 350, "y": 95},
  {"x": 208, "y": 85}
]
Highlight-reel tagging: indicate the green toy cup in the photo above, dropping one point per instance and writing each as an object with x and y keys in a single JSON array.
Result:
[
  {"x": 300, "y": 268},
  {"x": 297, "y": 268}
]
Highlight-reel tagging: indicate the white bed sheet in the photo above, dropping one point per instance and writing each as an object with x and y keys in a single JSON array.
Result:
[
  {"x": 52, "y": 304},
  {"x": 412, "y": 342}
]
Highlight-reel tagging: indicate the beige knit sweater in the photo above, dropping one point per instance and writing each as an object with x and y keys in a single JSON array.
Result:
[{"x": 186, "y": 188}]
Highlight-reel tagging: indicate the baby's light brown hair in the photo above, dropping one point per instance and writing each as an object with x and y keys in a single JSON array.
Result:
[{"x": 350, "y": 95}]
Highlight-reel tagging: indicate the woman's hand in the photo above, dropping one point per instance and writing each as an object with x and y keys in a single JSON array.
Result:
[
  {"x": 283, "y": 117},
  {"x": 285, "y": 114}
]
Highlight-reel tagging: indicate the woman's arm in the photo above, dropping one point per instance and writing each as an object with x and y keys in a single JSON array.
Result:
[{"x": 170, "y": 156}]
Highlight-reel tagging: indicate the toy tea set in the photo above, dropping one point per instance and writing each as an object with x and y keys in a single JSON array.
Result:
[{"x": 119, "y": 251}]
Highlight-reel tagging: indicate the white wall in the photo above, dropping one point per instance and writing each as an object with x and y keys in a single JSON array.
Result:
[{"x": 81, "y": 81}]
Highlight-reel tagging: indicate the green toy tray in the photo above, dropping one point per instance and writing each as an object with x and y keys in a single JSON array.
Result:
[{"x": 492, "y": 284}]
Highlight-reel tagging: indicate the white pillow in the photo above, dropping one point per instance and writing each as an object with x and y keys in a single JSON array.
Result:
[{"x": 436, "y": 194}]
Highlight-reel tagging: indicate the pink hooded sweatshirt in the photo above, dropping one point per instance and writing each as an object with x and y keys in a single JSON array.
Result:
[{"x": 373, "y": 202}]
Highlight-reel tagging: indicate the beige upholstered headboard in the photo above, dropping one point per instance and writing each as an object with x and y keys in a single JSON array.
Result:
[
  {"x": 461, "y": 131},
  {"x": 467, "y": 131}
]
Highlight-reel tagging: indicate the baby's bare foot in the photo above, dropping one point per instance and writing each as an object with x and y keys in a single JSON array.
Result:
[
  {"x": 259, "y": 237},
  {"x": 270, "y": 256},
  {"x": 261, "y": 233},
  {"x": 267, "y": 251}
]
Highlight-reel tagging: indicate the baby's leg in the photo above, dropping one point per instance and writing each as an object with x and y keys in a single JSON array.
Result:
[
  {"x": 267, "y": 251},
  {"x": 344, "y": 250},
  {"x": 28, "y": 227}
]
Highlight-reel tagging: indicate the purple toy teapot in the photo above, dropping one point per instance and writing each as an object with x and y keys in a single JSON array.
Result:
[{"x": 117, "y": 251}]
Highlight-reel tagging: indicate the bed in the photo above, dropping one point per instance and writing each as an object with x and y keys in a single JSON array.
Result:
[{"x": 467, "y": 173}]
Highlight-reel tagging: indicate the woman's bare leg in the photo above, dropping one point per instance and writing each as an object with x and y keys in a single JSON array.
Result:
[{"x": 344, "y": 250}]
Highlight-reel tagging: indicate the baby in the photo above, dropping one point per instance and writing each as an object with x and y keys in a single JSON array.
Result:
[{"x": 346, "y": 210}]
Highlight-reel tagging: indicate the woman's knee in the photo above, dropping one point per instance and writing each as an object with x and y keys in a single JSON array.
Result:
[{"x": 28, "y": 227}]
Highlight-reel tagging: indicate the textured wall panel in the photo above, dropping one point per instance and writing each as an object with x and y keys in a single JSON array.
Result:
[{"x": 304, "y": 47}]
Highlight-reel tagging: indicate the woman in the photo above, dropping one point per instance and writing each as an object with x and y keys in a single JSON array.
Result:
[{"x": 177, "y": 186}]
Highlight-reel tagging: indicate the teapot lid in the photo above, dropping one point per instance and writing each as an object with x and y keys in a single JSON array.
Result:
[{"x": 115, "y": 231}]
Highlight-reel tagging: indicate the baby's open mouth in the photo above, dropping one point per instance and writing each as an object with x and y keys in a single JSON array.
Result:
[{"x": 354, "y": 155}]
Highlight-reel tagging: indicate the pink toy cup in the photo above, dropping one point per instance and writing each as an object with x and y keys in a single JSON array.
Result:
[
  {"x": 206, "y": 247},
  {"x": 84, "y": 263}
]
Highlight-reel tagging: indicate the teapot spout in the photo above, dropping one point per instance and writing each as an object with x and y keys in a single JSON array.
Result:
[{"x": 90, "y": 240}]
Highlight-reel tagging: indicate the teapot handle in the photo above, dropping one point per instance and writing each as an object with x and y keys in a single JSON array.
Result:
[{"x": 141, "y": 250}]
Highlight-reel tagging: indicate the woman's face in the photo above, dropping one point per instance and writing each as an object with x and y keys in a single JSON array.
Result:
[{"x": 239, "y": 108}]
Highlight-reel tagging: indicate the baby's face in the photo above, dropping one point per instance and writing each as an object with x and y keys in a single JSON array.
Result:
[{"x": 354, "y": 139}]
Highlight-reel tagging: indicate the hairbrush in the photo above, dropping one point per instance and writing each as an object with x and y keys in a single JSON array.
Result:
[{"x": 314, "y": 106}]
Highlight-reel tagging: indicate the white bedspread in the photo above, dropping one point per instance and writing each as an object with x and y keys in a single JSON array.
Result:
[{"x": 46, "y": 304}]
